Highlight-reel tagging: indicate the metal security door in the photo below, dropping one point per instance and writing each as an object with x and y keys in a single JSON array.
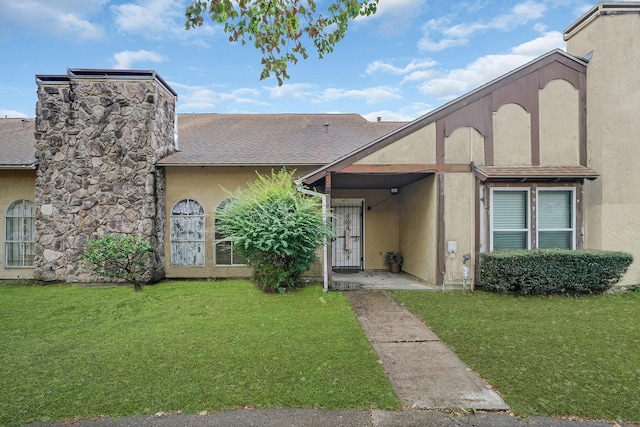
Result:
[{"x": 347, "y": 245}]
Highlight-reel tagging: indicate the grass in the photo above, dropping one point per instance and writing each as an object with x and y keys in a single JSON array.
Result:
[
  {"x": 554, "y": 356},
  {"x": 76, "y": 352}
]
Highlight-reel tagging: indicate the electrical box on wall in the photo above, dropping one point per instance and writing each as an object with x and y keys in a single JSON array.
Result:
[{"x": 452, "y": 246}]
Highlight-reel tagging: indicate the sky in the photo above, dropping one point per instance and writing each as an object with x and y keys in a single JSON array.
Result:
[{"x": 409, "y": 58}]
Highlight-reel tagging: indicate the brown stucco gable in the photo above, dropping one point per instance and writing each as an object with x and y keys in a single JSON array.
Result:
[{"x": 475, "y": 110}]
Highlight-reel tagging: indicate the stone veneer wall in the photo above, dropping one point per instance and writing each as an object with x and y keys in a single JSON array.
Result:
[{"x": 97, "y": 144}]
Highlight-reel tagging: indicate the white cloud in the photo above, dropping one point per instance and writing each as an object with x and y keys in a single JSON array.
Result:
[
  {"x": 126, "y": 58},
  {"x": 155, "y": 19},
  {"x": 394, "y": 16},
  {"x": 311, "y": 93},
  {"x": 427, "y": 44},
  {"x": 486, "y": 68},
  {"x": 204, "y": 99},
  {"x": 370, "y": 95},
  {"x": 405, "y": 114},
  {"x": 65, "y": 18},
  {"x": 295, "y": 90},
  {"x": 536, "y": 47},
  {"x": 381, "y": 66},
  {"x": 418, "y": 76},
  {"x": 398, "y": 7},
  {"x": 458, "y": 34},
  {"x": 12, "y": 114}
]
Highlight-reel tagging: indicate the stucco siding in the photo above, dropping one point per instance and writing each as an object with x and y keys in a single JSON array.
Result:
[
  {"x": 208, "y": 186},
  {"x": 419, "y": 228},
  {"x": 512, "y": 136},
  {"x": 15, "y": 185},
  {"x": 559, "y": 124},
  {"x": 459, "y": 220},
  {"x": 419, "y": 147},
  {"x": 613, "y": 101},
  {"x": 381, "y": 219},
  {"x": 464, "y": 145}
]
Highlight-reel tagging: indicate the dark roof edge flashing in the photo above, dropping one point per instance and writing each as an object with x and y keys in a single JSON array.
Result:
[
  {"x": 602, "y": 8},
  {"x": 106, "y": 74}
]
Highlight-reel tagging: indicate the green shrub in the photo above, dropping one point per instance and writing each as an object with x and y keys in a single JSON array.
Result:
[
  {"x": 118, "y": 257},
  {"x": 277, "y": 229},
  {"x": 546, "y": 272}
]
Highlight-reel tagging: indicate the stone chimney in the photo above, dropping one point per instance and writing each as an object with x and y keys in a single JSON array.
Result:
[{"x": 99, "y": 135}]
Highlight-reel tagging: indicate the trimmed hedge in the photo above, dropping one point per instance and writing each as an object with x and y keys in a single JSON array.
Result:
[{"x": 555, "y": 271}]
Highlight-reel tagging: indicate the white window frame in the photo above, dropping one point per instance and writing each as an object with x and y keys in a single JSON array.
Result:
[
  {"x": 528, "y": 211},
  {"x": 22, "y": 242},
  {"x": 224, "y": 239},
  {"x": 573, "y": 213},
  {"x": 186, "y": 242}
]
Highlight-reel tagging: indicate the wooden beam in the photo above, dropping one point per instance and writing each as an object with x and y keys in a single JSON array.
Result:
[{"x": 407, "y": 168}]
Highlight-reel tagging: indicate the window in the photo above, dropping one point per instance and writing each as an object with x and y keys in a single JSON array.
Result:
[
  {"x": 19, "y": 234},
  {"x": 510, "y": 219},
  {"x": 225, "y": 254},
  {"x": 187, "y": 233},
  {"x": 556, "y": 223},
  {"x": 546, "y": 221}
]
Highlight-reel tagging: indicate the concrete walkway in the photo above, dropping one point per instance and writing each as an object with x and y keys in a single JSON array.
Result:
[{"x": 424, "y": 373}]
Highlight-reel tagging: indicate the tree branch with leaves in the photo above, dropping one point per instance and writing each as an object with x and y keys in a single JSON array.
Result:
[{"x": 281, "y": 29}]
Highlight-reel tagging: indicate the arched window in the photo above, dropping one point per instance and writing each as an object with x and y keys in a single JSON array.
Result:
[
  {"x": 187, "y": 233},
  {"x": 225, "y": 254},
  {"x": 19, "y": 234}
]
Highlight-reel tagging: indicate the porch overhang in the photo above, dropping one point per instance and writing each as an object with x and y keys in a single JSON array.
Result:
[
  {"x": 534, "y": 173},
  {"x": 380, "y": 176}
]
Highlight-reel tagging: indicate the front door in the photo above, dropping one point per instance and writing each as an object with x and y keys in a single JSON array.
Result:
[{"x": 347, "y": 248}]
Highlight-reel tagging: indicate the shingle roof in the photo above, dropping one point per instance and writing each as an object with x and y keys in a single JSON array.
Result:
[
  {"x": 272, "y": 139},
  {"x": 17, "y": 142},
  {"x": 235, "y": 139}
]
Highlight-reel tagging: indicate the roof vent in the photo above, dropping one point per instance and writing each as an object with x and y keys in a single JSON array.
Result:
[
  {"x": 326, "y": 128},
  {"x": 379, "y": 118}
]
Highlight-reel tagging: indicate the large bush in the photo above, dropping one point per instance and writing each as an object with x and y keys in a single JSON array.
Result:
[
  {"x": 546, "y": 272},
  {"x": 276, "y": 228},
  {"x": 118, "y": 257}
]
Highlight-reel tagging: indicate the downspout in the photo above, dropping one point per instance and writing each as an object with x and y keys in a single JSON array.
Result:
[{"x": 325, "y": 269}]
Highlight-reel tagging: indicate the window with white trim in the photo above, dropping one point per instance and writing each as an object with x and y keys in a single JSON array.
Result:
[
  {"x": 19, "y": 244},
  {"x": 225, "y": 253},
  {"x": 510, "y": 219},
  {"x": 187, "y": 233},
  {"x": 556, "y": 219},
  {"x": 546, "y": 221}
]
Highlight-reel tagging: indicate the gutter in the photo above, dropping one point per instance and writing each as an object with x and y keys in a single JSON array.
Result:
[
  {"x": 27, "y": 166},
  {"x": 325, "y": 268}
]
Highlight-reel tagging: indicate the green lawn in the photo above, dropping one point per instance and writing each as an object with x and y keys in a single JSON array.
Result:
[
  {"x": 547, "y": 355},
  {"x": 77, "y": 352}
]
